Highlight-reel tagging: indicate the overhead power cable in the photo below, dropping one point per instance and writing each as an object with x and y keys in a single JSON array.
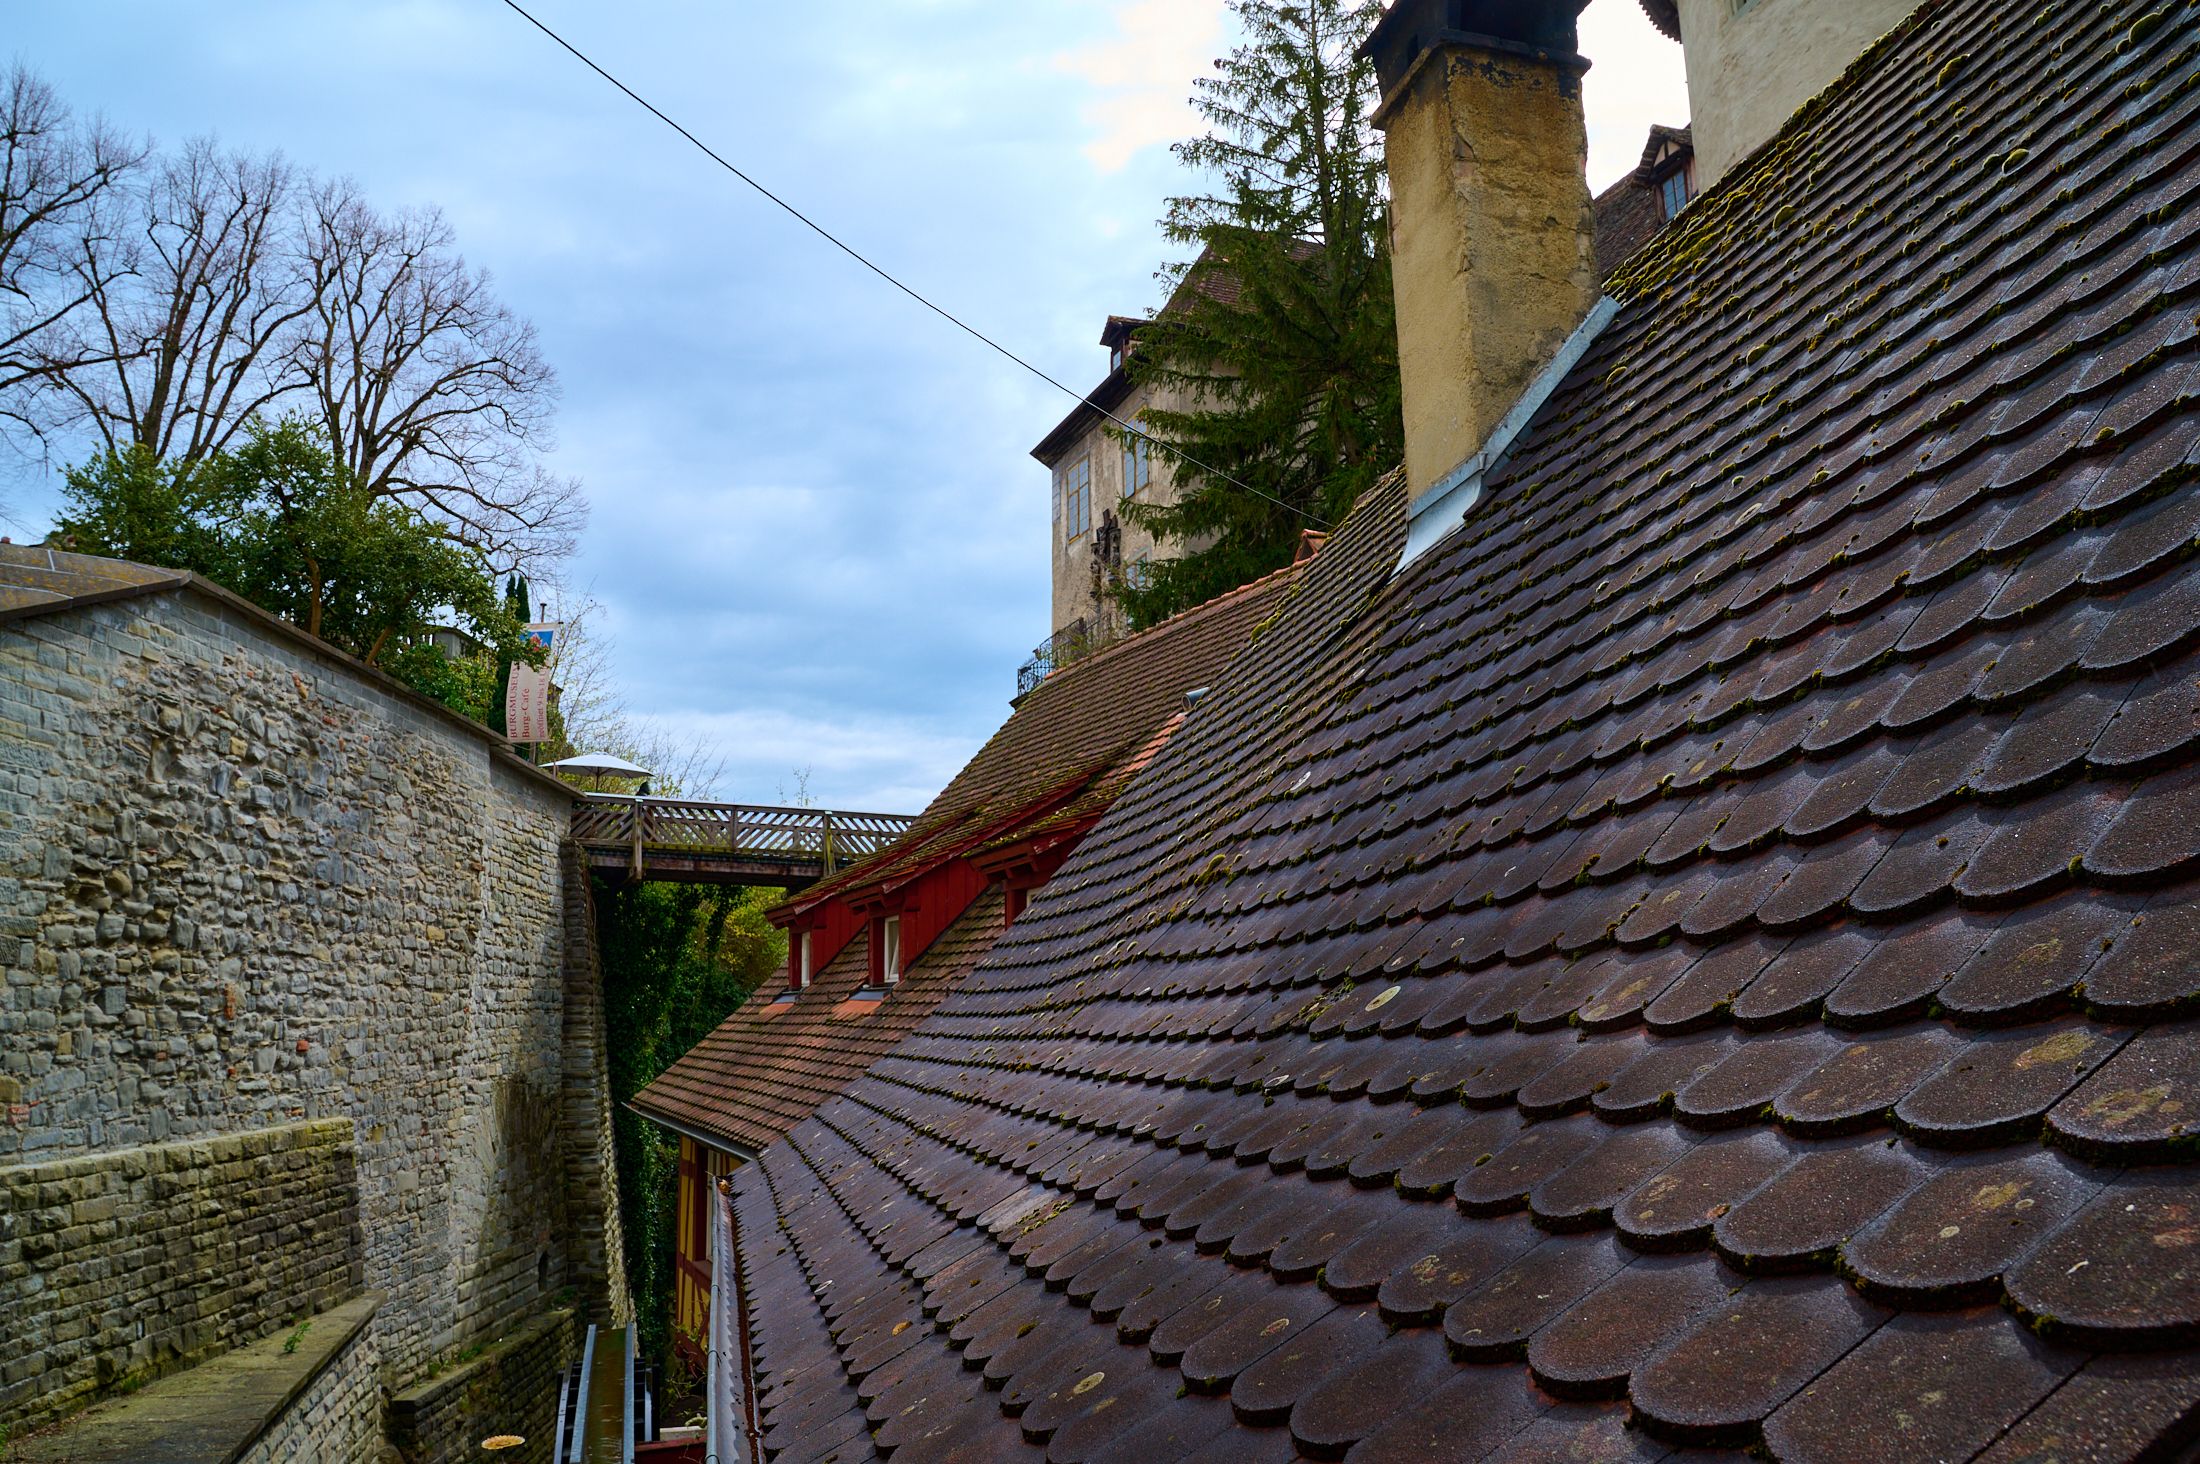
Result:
[{"x": 950, "y": 317}]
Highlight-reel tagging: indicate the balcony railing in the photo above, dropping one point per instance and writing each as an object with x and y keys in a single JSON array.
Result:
[{"x": 1067, "y": 646}]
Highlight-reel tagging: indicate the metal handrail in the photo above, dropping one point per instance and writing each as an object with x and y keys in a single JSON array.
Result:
[{"x": 580, "y": 1406}]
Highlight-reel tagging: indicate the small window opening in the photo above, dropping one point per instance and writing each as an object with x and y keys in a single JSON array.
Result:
[
  {"x": 1673, "y": 193},
  {"x": 890, "y": 957}
]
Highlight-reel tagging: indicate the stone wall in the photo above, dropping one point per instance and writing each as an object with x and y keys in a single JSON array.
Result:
[
  {"x": 1074, "y": 578},
  {"x": 338, "y": 1417},
  {"x": 244, "y": 883},
  {"x": 512, "y": 1388},
  {"x": 598, "y": 1241},
  {"x": 120, "y": 1267}
]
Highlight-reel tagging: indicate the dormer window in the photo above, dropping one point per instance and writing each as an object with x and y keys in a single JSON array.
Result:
[
  {"x": 1116, "y": 358},
  {"x": 1673, "y": 192},
  {"x": 809, "y": 972},
  {"x": 890, "y": 951}
]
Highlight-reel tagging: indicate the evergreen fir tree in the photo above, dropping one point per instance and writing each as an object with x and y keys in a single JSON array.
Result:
[{"x": 1282, "y": 328}]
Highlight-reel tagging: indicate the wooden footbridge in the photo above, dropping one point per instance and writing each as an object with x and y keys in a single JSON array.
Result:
[{"x": 725, "y": 843}]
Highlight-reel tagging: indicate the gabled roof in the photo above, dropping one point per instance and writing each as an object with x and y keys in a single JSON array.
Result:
[
  {"x": 1702, "y": 959},
  {"x": 1666, "y": 146},
  {"x": 1075, "y": 730},
  {"x": 1051, "y": 770},
  {"x": 771, "y": 1063},
  {"x": 1208, "y": 276}
]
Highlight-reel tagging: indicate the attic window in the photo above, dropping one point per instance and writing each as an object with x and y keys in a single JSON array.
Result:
[
  {"x": 1674, "y": 192},
  {"x": 808, "y": 973},
  {"x": 890, "y": 952}
]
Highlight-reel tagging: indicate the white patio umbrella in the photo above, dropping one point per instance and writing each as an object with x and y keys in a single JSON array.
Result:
[{"x": 599, "y": 766}]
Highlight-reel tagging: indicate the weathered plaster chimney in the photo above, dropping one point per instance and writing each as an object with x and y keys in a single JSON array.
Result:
[{"x": 1492, "y": 237}]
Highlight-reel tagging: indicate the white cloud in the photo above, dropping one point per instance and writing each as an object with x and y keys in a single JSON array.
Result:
[
  {"x": 1636, "y": 79},
  {"x": 868, "y": 761},
  {"x": 1143, "y": 77}
]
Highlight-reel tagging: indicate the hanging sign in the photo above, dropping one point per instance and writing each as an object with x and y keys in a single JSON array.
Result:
[{"x": 527, "y": 695}]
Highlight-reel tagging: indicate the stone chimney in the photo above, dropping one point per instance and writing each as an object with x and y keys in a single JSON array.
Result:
[{"x": 1491, "y": 231}]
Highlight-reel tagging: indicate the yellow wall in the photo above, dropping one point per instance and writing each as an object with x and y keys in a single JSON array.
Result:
[
  {"x": 1752, "y": 63},
  {"x": 1490, "y": 241},
  {"x": 1072, "y": 558},
  {"x": 700, "y": 1170}
]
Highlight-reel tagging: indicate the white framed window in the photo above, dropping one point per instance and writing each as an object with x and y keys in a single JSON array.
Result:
[
  {"x": 1073, "y": 490},
  {"x": 1673, "y": 193},
  {"x": 890, "y": 951},
  {"x": 1139, "y": 572},
  {"x": 1137, "y": 463},
  {"x": 808, "y": 973}
]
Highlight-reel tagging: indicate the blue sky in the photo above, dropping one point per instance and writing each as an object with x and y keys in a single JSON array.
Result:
[{"x": 817, "y": 535}]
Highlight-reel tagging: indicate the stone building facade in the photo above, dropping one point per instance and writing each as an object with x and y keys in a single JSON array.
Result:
[
  {"x": 245, "y": 885},
  {"x": 1096, "y": 470}
]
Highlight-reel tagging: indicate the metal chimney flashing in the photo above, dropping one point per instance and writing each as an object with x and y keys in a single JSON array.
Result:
[{"x": 1433, "y": 516}]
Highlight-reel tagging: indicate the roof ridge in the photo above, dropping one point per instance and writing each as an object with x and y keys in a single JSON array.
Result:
[
  {"x": 1181, "y": 618},
  {"x": 1671, "y": 249}
]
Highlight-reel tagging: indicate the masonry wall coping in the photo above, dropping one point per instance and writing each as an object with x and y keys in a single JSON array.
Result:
[
  {"x": 237, "y": 607},
  {"x": 423, "y": 1396},
  {"x": 209, "y": 1414}
]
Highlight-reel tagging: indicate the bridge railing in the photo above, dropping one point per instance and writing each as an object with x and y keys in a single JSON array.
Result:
[{"x": 798, "y": 835}]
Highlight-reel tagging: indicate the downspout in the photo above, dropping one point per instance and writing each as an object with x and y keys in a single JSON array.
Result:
[{"x": 736, "y": 1433}]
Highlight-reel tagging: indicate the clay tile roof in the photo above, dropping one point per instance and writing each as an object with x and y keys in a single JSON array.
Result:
[
  {"x": 1665, "y": 15},
  {"x": 1628, "y": 216},
  {"x": 1079, "y": 726},
  {"x": 771, "y": 1063},
  {"x": 1703, "y": 960},
  {"x": 1061, "y": 759}
]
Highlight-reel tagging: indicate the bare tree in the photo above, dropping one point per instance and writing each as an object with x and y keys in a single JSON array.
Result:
[
  {"x": 57, "y": 181},
  {"x": 188, "y": 345},
  {"x": 167, "y": 308},
  {"x": 430, "y": 388}
]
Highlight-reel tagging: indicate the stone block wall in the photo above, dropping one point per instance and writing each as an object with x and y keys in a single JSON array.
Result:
[
  {"x": 512, "y": 1388},
  {"x": 598, "y": 1249},
  {"x": 244, "y": 884},
  {"x": 122, "y": 1266},
  {"x": 338, "y": 1417}
]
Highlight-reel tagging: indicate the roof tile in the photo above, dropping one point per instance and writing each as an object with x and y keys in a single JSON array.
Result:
[
  {"x": 1922, "y": 1388},
  {"x": 1743, "y": 1359},
  {"x": 1592, "y": 1348},
  {"x": 1796, "y": 766}
]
